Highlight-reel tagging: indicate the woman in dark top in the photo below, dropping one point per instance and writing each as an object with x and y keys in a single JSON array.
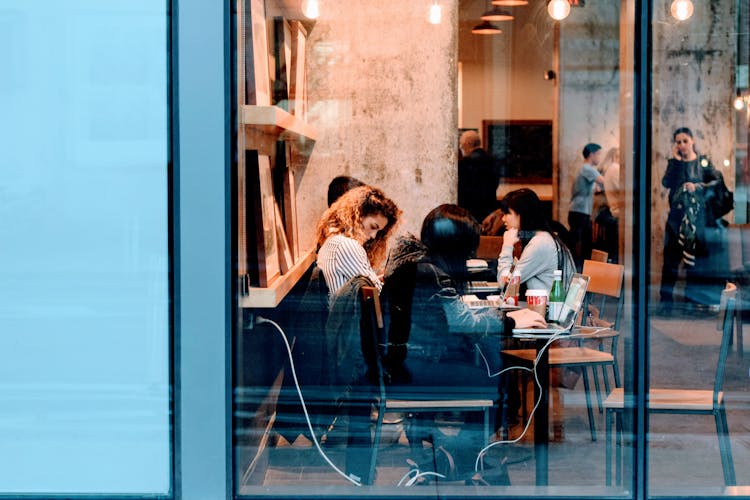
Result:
[
  {"x": 692, "y": 235},
  {"x": 424, "y": 281}
]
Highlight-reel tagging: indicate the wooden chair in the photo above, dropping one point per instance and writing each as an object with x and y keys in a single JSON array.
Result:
[
  {"x": 373, "y": 322},
  {"x": 489, "y": 247},
  {"x": 606, "y": 282},
  {"x": 599, "y": 255},
  {"x": 683, "y": 401}
]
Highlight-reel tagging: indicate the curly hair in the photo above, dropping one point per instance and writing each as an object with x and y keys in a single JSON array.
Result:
[{"x": 346, "y": 214}]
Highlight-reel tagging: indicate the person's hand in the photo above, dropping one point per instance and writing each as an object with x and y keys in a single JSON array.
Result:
[
  {"x": 510, "y": 237},
  {"x": 526, "y": 318},
  {"x": 689, "y": 187},
  {"x": 676, "y": 152}
]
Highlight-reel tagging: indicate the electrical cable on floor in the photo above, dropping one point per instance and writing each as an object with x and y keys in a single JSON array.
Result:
[
  {"x": 553, "y": 338},
  {"x": 351, "y": 478}
]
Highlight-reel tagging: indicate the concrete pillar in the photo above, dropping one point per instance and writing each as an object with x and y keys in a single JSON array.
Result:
[{"x": 382, "y": 94}]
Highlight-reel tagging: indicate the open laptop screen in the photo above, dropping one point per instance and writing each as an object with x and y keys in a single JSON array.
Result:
[{"x": 573, "y": 300}]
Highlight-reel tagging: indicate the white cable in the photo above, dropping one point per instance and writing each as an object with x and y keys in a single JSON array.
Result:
[
  {"x": 484, "y": 450},
  {"x": 413, "y": 480},
  {"x": 403, "y": 478},
  {"x": 356, "y": 482}
]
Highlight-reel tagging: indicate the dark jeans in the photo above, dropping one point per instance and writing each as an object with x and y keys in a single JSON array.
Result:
[
  {"x": 580, "y": 237},
  {"x": 705, "y": 280}
]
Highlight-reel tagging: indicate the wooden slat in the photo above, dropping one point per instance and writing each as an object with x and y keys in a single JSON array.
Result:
[
  {"x": 669, "y": 399},
  {"x": 397, "y": 404},
  {"x": 606, "y": 279},
  {"x": 564, "y": 355}
]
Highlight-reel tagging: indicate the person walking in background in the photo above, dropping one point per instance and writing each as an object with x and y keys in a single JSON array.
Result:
[
  {"x": 352, "y": 236},
  {"x": 581, "y": 203},
  {"x": 606, "y": 217},
  {"x": 477, "y": 177},
  {"x": 693, "y": 235}
]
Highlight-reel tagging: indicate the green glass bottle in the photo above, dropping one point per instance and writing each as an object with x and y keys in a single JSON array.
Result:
[{"x": 556, "y": 297}]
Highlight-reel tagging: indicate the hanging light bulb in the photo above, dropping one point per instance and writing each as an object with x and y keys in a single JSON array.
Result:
[
  {"x": 510, "y": 3},
  {"x": 739, "y": 103},
  {"x": 558, "y": 9},
  {"x": 681, "y": 9},
  {"x": 311, "y": 9},
  {"x": 435, "y": 13}
]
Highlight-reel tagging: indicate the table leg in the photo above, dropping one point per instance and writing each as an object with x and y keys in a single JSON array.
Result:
[{"x": 541, "y": 417}]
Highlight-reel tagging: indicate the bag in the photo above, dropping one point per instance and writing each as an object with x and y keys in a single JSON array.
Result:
[{"x": 721, "y": 200}]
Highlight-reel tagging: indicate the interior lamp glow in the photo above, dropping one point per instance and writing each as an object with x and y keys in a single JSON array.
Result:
[
  {"x": 497, "y": 15},
  {"x": 681, "y": 9},
  {"x": 435, "y": 13},
  {"x": 486, "y": 28},
  {"x": 311, "y": 9},
  {"x": 739, "y": 103},
  {"x": 558, "y": 9}
]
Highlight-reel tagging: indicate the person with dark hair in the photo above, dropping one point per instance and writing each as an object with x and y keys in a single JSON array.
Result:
[
  {"x": 340, "y": 185},
  {"x": 424, "y": 281},
  {"x": 433, "y": 336},
  {"x": 542, "y": 250},
  {"x": 581, "y": 204},
  {"x": 352, "y": 236},
  {"x": 693, "y": 235},
  {"x": 477, "y": 177}
]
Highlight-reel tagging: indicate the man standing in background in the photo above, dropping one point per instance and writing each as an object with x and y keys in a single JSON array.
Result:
[
  {"x": 581, "y": 203},
  {"x": 477, "y": 177}
]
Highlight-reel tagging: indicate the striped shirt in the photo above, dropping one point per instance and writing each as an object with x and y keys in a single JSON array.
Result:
[{"x": 342, "y": 258}]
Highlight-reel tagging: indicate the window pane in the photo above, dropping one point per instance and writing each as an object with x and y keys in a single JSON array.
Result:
[
  {"x": 84, "y": 303},
  {"x": 700, "y": 61}
]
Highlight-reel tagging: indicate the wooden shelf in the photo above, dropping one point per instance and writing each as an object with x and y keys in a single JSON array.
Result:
[
  {"x": 273, "y": 295},
  {"x": 274, "y": 121}
]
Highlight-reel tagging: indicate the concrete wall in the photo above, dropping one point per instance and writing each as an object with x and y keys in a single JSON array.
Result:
[
  {"x": 693, "y": 87},
  {"x": 589, "y": 88},
  {"x": 382, "y": 94}
]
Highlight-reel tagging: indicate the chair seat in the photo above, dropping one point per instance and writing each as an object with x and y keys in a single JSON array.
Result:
[
  {"x": 570, "y": 356},
  {"x": 669, "y": 400},
  {"x": 442, "y": 404}
]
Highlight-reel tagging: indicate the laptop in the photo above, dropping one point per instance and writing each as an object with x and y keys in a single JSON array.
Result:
[
  {"x": 571, "y": 307},
  {"x": 493, "y": 301}
]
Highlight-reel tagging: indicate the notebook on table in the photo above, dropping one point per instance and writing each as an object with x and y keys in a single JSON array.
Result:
[{"x": 571, "y": 307}]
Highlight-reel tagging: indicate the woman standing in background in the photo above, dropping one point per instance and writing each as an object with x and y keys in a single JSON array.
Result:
[{"x": 693, "y": 235}]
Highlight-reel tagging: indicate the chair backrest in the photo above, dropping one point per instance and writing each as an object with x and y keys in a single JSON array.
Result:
[
  {"x": 728, "y": 297},
  {"x": 489, "y": 247},
  {"x": 606, "y": 280},
  {"x": 373, "y": 334},
  {"x": 599, "y": 255},
  {"x": 729, "y": 292}
]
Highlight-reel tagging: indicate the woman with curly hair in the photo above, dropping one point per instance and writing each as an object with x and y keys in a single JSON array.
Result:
[{"x": 352, "y": 236}]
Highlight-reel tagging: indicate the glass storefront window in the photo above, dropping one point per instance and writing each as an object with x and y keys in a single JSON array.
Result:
[
  {"x": 85, "y": 307},
  {"x": 446, "y": 398}
]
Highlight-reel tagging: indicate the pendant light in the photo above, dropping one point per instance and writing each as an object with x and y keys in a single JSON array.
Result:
[
  {"x": 311, "y": 9},
  {"x": 558, "y": 9},
  {"x": 486, "y": 28},
  {"x": 681, "y": 9},
  {"x": 497, "y": 14},
  {"x": 510, "y": 3}
]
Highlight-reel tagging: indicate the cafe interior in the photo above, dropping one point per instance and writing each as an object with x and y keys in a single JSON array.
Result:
[{"x": 634, "y": 396}]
